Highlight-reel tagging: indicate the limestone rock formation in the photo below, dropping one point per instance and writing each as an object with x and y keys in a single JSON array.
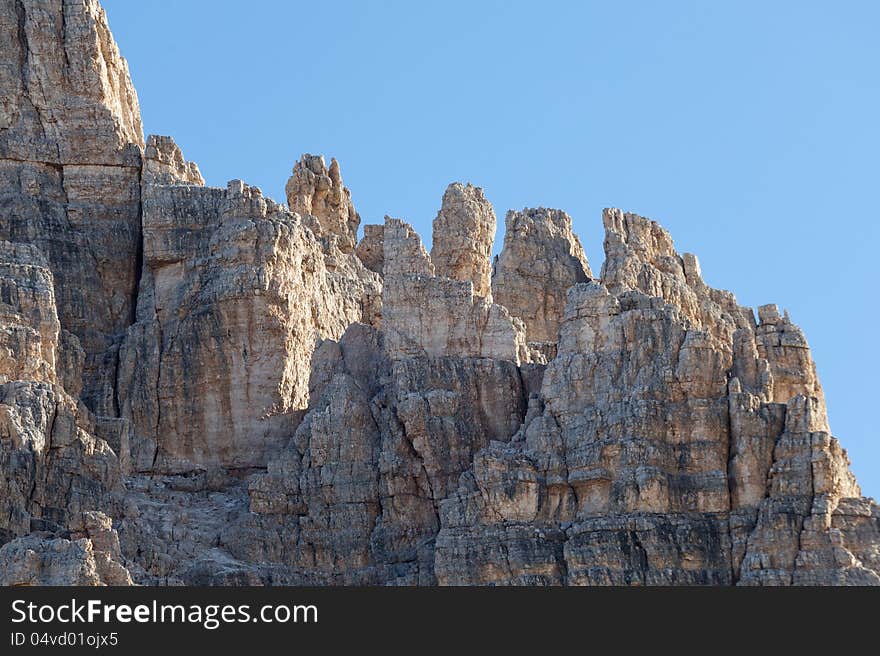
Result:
[
  {"x": 164, "y": 164},
  {"x": 235, "y": 291},
  {"x": 55, "y": 561},
  {"x": 70, "y": 161},
  {"x": 29, "y": 326},
  {"x": 70, "y": 97},
  {"x": 56, "y": 472},
  {"x": 541, "y": 259},
  {"x": 464, "y": 231},
  {"x": 646, "y": 459},
  {"x": 371, "y": 249},
  {"x": 424, "y": 314},
  {"x": 201, "y": 386},
  {"x": 314, "y": 190}
]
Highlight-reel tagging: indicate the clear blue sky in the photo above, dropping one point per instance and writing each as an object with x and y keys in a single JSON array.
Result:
[{"x": 750, "y": 130}]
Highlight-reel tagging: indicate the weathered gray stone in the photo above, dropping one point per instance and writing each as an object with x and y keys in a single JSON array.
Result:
[{"x": 201, "y": 386}]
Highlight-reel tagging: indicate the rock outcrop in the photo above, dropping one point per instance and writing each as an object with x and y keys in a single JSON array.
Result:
[
  {"x": 56, "y": 561},
  {"x": 316, "y": 191},
  {"x": 29, "y": 326},
  {"x": 164, "y": 164},
  {"x": 70, "y": 162},
  {"x": 464, "y": 232},
  {"x": 435, "y": 316},
  {"x": 201, "y": 386},
  {"x": 235, "y": 291},
  {"x": 541, "y": 259},
  {"x": 57, "y": 472},
  {"x": 646, "y": 458},
  {"x": 371, "y": 249}
]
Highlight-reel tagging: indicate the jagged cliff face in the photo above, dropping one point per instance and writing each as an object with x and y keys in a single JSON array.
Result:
[
  {"x": 70, "y": 144},
  {"x": 199, "y": 385}
]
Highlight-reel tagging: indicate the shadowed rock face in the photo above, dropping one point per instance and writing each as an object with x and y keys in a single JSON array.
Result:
[
  {"x": 70, "y": 161},
  {"x": 54, "y": 465},
  {"x": 201, "y": 386},
  {"x": 371, "y": 248}
]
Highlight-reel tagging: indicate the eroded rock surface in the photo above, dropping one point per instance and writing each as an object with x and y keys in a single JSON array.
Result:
[
  {"x": 33, "y": 560},
  {"x": 541, "y": 259},
  {"x": 371, "y": 248},
  {"x": 164, "y": 164},
  {"x": 434, "y": 316},
  {"x": 464, "y": 232},
  {"x": 235, "y": 291},
  {"x": 57, "y": 471},
  {"x": 70, "y": 161},
  {"x": 201, "y": 386},
  {"x": 316, "y": 191},
  {"x": 658, "y": 451}
]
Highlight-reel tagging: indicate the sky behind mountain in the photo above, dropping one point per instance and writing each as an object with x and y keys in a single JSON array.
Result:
[{"x": 749, "y": 130}]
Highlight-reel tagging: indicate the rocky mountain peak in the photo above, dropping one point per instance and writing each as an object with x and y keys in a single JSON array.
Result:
[
  {"x": 200, "y": 385},
  {"x": 317, "y": 191}
]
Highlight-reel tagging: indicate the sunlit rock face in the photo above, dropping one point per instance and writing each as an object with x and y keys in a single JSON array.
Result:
[
  {"x": 202, "y": 386},
  {"x": 464, "y": 232},
  {"x": 424, "y": 314},
  {"x": 317, "y": 191},
  {"x": 235, "y": 292},
  {"x": 540, "y": 260}
]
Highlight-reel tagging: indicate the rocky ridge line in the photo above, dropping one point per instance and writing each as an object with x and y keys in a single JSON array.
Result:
[{"x": 202, "y": 386}]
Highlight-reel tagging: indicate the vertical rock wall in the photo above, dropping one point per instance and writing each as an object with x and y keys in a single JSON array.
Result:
[
  {"x": 201, "y": 386},
  {"x": 70, "y": 142}
]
